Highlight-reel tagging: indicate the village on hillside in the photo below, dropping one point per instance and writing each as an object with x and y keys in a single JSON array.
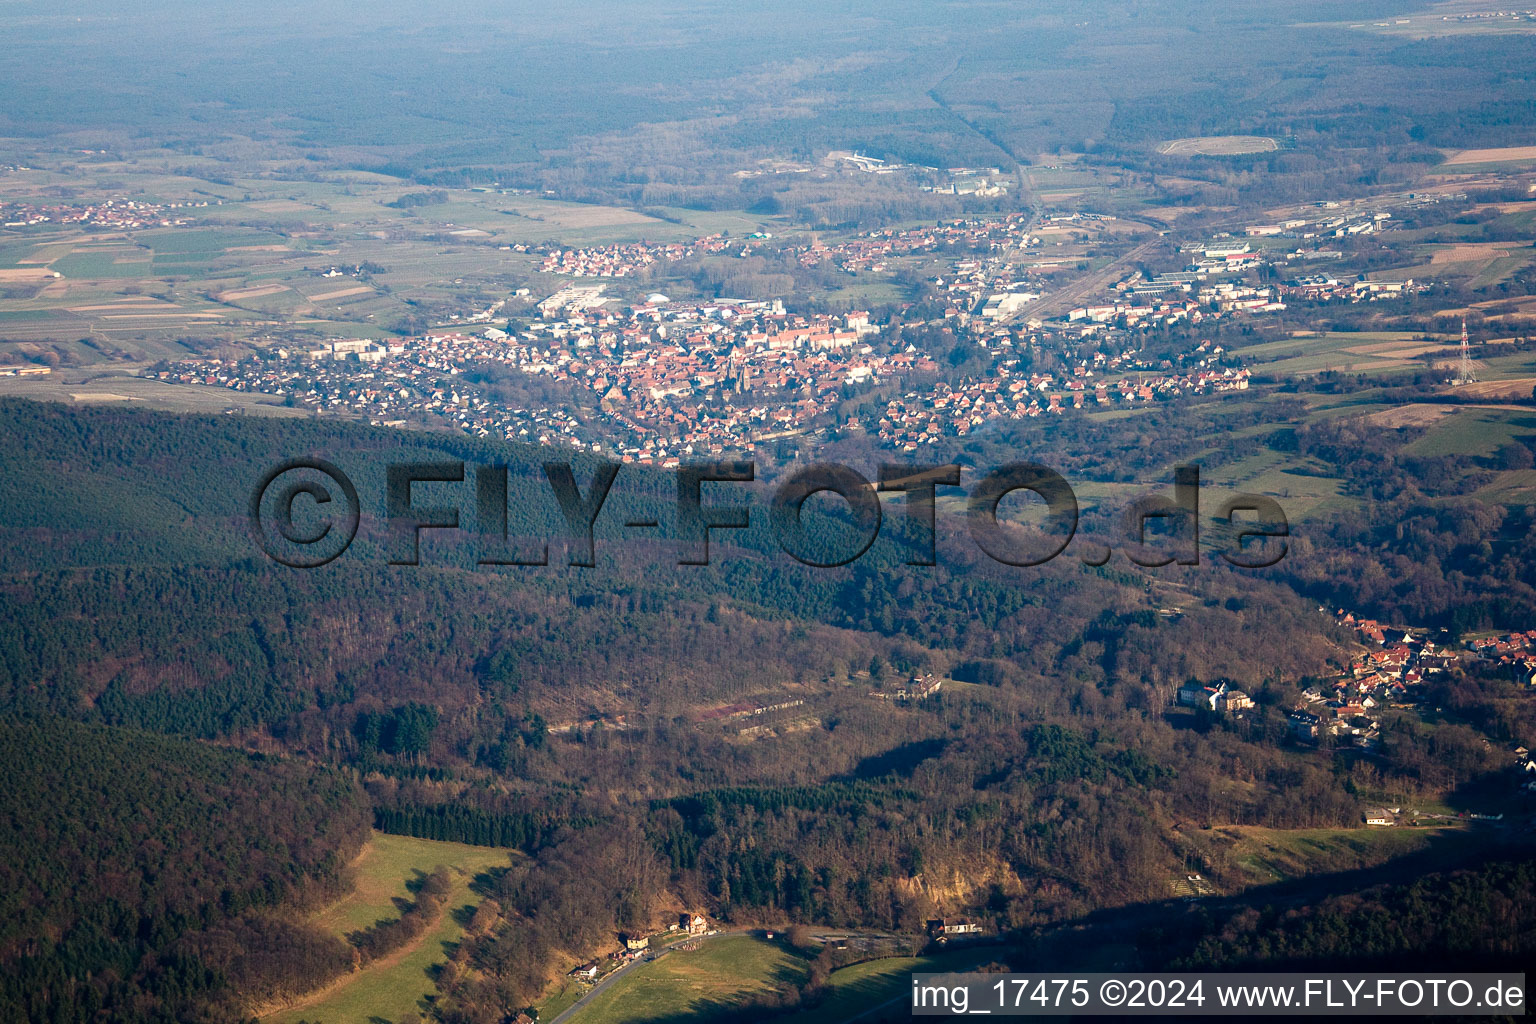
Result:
[{"x": 1388, "y": 674}]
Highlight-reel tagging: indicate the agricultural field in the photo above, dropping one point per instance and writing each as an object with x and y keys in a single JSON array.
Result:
[
  {"x": 1503, "y": 389},
  {"x": 256, "y": 263},
  {"x": 1352, "y": 352},
  {"x": 1477, "y": 431},
  {"x": 395, "y": 985},
  {"x": 122, "y": 295},
  {"x": 84, "y": 387},
  {"x": 1503, "y": 155},
  {"x": 1472, "y": 264},
  {"x": 1500, "y": 373},
  {"x": 478, "y": 214}
]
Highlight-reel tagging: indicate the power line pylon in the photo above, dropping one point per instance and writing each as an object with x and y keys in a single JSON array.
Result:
[{"x": 1465, "y": 374}]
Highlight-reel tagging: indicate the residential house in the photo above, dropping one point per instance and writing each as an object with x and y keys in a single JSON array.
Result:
[
  {"x": 1236, "y": 700},
  {"x": 1194, "y": 695},
  {"x": 948, "y": 927},
  {"x": 1304, "y": 725}
]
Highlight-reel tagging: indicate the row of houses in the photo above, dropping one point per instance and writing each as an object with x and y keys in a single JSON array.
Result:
[
  {"x": 1387, "y": 674},
  {"x": 920, "y": 418},
  {"x": 916, "y": 688},
  {"x": 747, "y": 710},
  {"x": 634, "y": 945},
  {"x": 625, "y": 259},
  {"x": 872, "y": 250},
  {"x": 120, "y": 214},
  {"x": 943, "y": 928},
  {"x": 1516, "y": 651}
]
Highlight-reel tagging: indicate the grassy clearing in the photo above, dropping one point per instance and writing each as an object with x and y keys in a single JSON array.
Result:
[
  {"x": 868, "y": 292},
  {"x": 184, "y": 241},
  {"x": 864, "y": 986},
  {"x": 1490, "y": 167},
  {"x": 708, "y": 222},
  {"x": 33, "y": 254},
  {"x": 705, "y": 984},
  {"x": 385, "y": 871},
  {"x": 1266, "y": 855},
  {"x": 100, "y": 265},
  {"x": 396, "y": 985},
  {"x": 1476, "y": 431},
  {"x": 560, "y": 1001},
  {"x": 1514, "y": 487},
  {"x": 1498, "y": 270},
  {"x": 1219, "y": 145},
  {"x": 1302, "y": 497}
]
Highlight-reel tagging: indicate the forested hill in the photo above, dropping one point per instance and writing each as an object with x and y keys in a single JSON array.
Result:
[
  {"x": 88, "y": 487},
  {"x": 732, "y": 737},
  {"x": 1411, "y": 916},
  {"x": 181, "y": 624},
  {"x": 120, "y": 847},
  {"x": 1482, "y": 919}
]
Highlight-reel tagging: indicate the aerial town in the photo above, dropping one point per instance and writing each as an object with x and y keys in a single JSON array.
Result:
[
  {"x": 680, "y": 378},
  {"x": 118, "y": 214},
  {"x": 809, "y": 513}
]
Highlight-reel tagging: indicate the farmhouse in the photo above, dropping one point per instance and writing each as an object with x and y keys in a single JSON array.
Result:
[{"x": 947, "y": 927}]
